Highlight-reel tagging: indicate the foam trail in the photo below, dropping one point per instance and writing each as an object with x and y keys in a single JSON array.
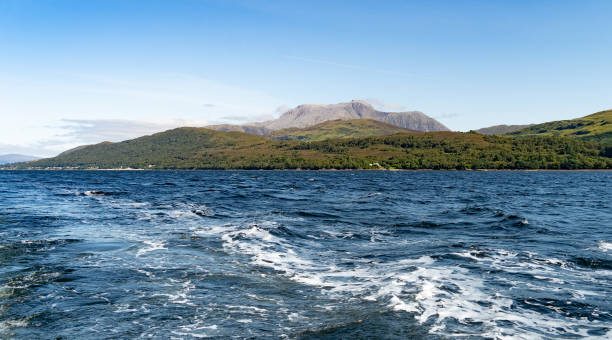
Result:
[
  {"x": 433, "y": 293},
  {"x": 153, "y": 246}
]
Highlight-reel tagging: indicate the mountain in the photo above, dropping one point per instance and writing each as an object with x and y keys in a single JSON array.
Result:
[
  {"x": 201, "y": 148},
  {"x": 333, "y": 129},
  {"x": 15, "y": 158},
  {"x": 311, "y": 114},
  {"x": 501, "y": 129},
  {"x": 596, "y": 127}
]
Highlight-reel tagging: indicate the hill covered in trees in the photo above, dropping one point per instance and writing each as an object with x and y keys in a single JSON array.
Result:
[
  {"x": 201, "y": 148},
  {"x": 501, "y": 129}
]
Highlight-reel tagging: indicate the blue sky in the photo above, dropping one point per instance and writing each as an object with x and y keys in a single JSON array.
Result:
[{"x": 75, "y": 72}]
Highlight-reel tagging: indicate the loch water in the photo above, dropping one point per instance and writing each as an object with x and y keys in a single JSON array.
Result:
[{"x": 305, "y": 255}]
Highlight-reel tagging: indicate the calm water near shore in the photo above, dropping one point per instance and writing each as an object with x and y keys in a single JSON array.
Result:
[{"x": 290, "y": 254}]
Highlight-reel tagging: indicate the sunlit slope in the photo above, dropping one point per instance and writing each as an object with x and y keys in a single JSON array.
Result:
[
  {"x": 173, "y": 148},
  {"x": 334, "y": 129},
  {"x": 501, "y": 129},
  {"x": 597, "y": 127},
  {"x": 200, "y": 148}
]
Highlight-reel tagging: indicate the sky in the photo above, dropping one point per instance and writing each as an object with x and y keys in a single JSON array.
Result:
[{"x": 82, "y": 72}]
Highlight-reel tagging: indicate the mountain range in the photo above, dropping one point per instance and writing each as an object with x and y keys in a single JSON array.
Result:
[
  {"x": 201, "y": 148},
  {"x": 308, "y": 115},
  {"x": 15, "y": 158},
  {"x": 314, "y": 142}
]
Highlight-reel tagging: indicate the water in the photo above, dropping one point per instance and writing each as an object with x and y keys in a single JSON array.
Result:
[{"x": 503, "y": 255}]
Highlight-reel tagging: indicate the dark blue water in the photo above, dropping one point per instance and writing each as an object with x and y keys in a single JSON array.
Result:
[{"x": 112, "y": 255}]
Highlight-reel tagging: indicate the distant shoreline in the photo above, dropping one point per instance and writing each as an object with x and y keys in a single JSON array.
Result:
[{"x": 324, "y": 170}]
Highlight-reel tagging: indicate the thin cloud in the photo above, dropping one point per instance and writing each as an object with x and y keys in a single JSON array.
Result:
[
  {"x": 115, "y": 130},
  {"x": 76, "y": 132},
  {"x": 246, "y": 119},
  {"x": 47, "y": 147},
  {"x": 447, "y": 116},
  {"x": 236, "y": 118},
  {"x": 282, "y": 109},
  {"x": 385, "y": 106},
  {"x": 22, "y": 150}
]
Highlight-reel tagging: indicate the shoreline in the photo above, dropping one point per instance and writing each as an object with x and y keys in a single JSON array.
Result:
[{"x": 326, "y": 170}]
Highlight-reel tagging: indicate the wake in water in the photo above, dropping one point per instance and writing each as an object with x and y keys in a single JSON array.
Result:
[
  {"x": 289, "y": 255},
  {"x": 448, "y": 299}
]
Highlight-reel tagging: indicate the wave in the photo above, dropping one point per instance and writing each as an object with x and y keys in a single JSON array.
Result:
[
  {"x": 593, "y": 262},
  {"x": 151, "y": 246},
  {"x": 435, "y": 294},
  {"x": 101, "y": 193},
  {"x": 370, "y": 195},
  {"x": 605, "y": 246}
]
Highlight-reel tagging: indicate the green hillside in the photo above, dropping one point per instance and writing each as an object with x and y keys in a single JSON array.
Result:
[
  {"x": 165, "y": 149},
  {"x": 596, "y": 127},
  {"x": 334, "y": 129},
  {"x": 501, "y": 129},
  {"x": 200, "y": 148}
]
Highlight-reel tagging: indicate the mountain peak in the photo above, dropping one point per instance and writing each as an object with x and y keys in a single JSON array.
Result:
[{"x": 306, "y": 115}]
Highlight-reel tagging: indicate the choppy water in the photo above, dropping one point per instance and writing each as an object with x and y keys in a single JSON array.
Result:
[{"x": 305, "y": 254}]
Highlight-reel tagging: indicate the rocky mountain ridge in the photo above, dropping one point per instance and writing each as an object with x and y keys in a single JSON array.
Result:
[{"x": 307, "y": 115}]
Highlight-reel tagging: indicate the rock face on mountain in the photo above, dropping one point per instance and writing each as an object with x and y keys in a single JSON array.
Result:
[{"x": 311, "y": 114}]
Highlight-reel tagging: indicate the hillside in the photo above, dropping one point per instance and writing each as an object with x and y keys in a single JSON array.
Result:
[
  {"x": 165, "y": 149},
  {"x": 200, "y": 148},
  {"x": 252, "y": 129},
  {"x": 501, "y": 129},
  {"x": 334, "y": 129},
  {"x": 596, "y": 127},
  {"x": 312, "y": 114}
]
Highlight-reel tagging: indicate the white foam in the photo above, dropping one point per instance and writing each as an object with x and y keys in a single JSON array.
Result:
[
  {"x": 605, "y": 246},
  {"x": 93, "y": 193},
  {"x": 123, "y": 308},
  {"x": 136, "y": 204},
  {"x": 213, "y": 230},
  {"x": 435, "y": 294},
  {"x": 195, "y": 331},
  {"x": 179, "y": 214},
  {"x": 247, "y": 309},
  {"x": 153, "y": 246},
  {"x": 7, "y": 325},
  {"x": 399, "y": 305},
  {"x": 177, "y": 211}
]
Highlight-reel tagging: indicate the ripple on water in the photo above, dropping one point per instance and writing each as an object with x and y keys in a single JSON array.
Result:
[
  {"x": 346, "y": 255},
  {"x": 437, "y": 295}
]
